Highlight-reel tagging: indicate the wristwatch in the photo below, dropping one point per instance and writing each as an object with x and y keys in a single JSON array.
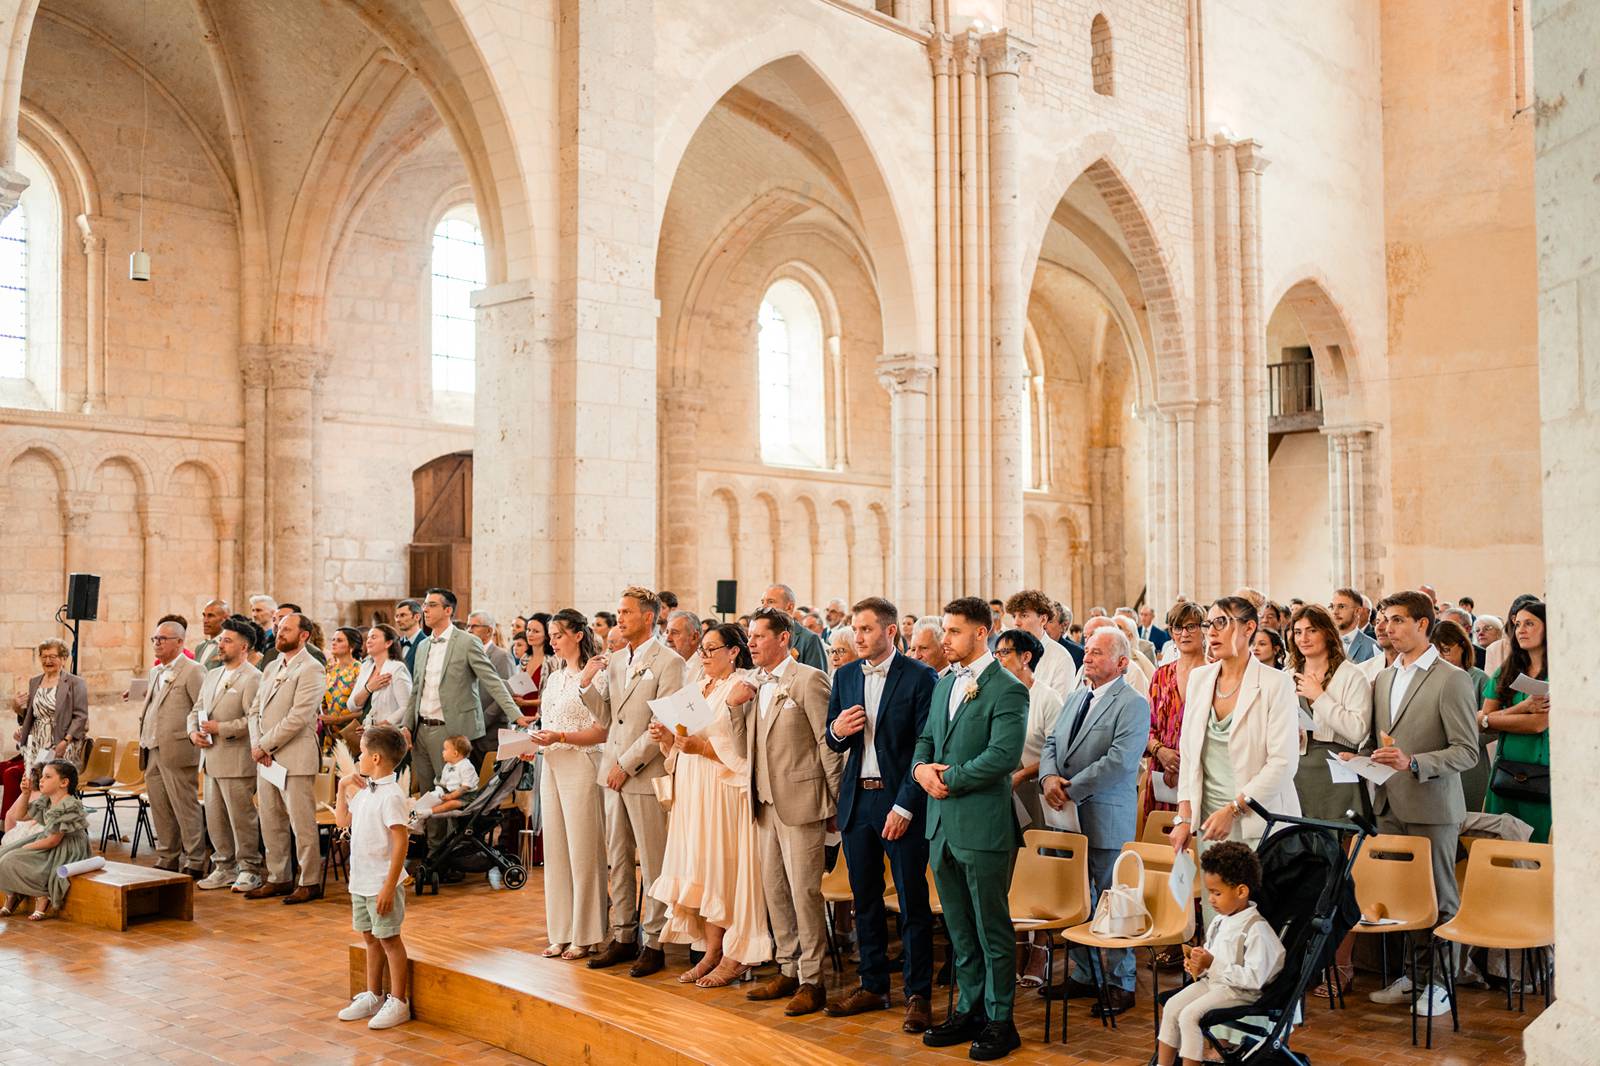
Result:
[
  {"x": 1179, "y": 820},
  {"x": 1483, "y": 722},
  {"x": 1414, "y": 771}
]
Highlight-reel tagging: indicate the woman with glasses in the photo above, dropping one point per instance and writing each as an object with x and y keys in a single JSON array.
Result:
[
  {"x": 710, "y": 872},
  {"x": 841, "y": 647},
  {"x": 1240, "y": 738},
  {"x": 1019, "y": 651},
  {"x": 1167, "y": 687},
  {"x": 52, "y": 715}
]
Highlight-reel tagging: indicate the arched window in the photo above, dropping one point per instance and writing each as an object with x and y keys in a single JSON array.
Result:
[
  {"x": 790, "y": 370},
  {"x": 458, "y": 269},
  {"x": 30, "y": 291},
  {"x": 1100, "y": 57}
]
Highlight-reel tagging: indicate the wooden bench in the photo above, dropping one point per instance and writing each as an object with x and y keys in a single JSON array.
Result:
[{"x": 120, "y": 894}]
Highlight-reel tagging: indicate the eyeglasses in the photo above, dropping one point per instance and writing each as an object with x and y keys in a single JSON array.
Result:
[
  {"x": 1218, "y": 624},
  {"x": 159, "y": 639},
  {"x": 707, "y": 649},
  {"x": 1003, "y": 652},
  {"x": 837, "y": 651},
  {"x": 1190, "y": 627}
]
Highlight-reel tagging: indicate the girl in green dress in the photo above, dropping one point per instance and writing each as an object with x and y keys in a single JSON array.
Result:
[
  {"x": 1522, "y": 721},
  {"x": 28, "y": 865}
]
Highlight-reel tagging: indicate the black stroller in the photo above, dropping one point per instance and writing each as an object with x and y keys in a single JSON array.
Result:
[
  {"x": 1309, "y": 896},
  {"x": 466, "y": 848}
]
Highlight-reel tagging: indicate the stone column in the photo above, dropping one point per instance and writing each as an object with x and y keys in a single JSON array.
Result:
[
  {"x": 253, "y": 373},
  {"x": 1339, "y": 572},
  {"x": 76, "y": 509},
  {"x": 294, "y": 376},
  {"x": 1251, "y": 163},
  {"x": 1350, "y": 507},
  {"x": 909, "y": 377},
  {"x": 1003, "y": 58},
  {"x": 152, "y": 525},
  {"x": 1566, "y": 136},
  {"x": 90, "y": 229},
  {"x": 1182, "y": 490},
  {"x": 680, "y": 466}
]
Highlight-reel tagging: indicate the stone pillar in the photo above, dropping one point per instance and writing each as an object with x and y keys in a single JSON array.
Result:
[
  {"x": 1183, "y": 489},
  {"x": 1339, "y": 571},
  {"x": 1567, "y": 135},
  {"x": 253, "y": 372},
  {"x": 294, "y": 375},
  {"x": 909, "y": 378},
  {"x": 680, "y": 461},
  {"x": 1231, "y": 512},
  {"x": 1350, "y": 508},
  {"x": 152, "y": 525},
  {"x": 90, "y": 229},
  {"x": 1003, "y": 60},
  {"x": 1247, "y": 154},
  {"x": 76, "y": 509},
  {"x": 1105, "y": 486}
]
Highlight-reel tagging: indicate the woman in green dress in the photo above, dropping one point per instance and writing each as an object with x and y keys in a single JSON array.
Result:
[
  {"x": 28, "y": 865},
  {"x": 1522, "y": 721},
  {"x": 1455, "y": 648}
]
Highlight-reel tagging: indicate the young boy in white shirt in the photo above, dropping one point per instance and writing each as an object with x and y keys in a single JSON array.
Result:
[
  {"x": 374, "y": 809},
  {"x": 1241, "y": 955}
]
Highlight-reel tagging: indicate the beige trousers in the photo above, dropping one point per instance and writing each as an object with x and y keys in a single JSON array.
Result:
[
  {"x": 635, "y": 823},
  {"x": 175, "y": 809},
  {"x": 574, "y": 848},
  {"x": 285, "y": 816},
  {"x": 231, "y": 821},
  {"x": 792, "y": 857},
  {"x": 1180, "y": 1021}
]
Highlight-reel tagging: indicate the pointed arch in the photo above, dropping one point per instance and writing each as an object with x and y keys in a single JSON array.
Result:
[{"x": 1327, "y": 330}]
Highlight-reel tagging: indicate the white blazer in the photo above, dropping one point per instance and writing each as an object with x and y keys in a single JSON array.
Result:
[
  {"x": 1264, "y": 742},
  {"x": 1343, "y": 713},
  {"x": 392, "y": 704}
]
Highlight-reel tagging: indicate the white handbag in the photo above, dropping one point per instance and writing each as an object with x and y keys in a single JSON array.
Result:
[{"x": 1120, "y": 911}]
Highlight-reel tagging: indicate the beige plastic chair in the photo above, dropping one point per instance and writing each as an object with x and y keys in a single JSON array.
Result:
[
  {"x": 1158, "y": 827},
  {"x": 1394, "y": 880},
  {"x": 1049, "y": 893},
  {"x": 129, "y": 787},
  {"x": 1510, "y": 905},
  {"x": 1171, "y": 923},
  {"x": 100, "y": 766}
]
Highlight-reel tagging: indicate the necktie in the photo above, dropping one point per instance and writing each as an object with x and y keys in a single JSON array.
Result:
[
  {"x": 1080, "y": 718},
  {"x": 881, "y": 670}
]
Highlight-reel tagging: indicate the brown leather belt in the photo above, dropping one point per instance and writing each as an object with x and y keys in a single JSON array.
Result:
[{"x": 871, "y": 784}]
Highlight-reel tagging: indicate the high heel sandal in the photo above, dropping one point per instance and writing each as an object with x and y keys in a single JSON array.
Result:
[
  {"x": 41, "y": 913},
  {"x": 1347, "y": 982},
  {"x": 553, "y": 950},
  {"x": 727, "y": 972},
  {"x": 697, "y": 971},
  {"x": 13, "y": 901}
]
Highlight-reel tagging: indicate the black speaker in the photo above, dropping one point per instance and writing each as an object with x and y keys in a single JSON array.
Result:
[
  {"x": 727, "y": 597},
  {"x": 83, "y": 597}
]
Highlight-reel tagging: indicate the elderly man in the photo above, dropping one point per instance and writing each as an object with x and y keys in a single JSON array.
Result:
[
  {"x": 167, "y": 755},
  {"x": 807, "y": 645},
  {"x": 1148, "y": 630},
  {"x": 834, "y": 615},
  {"x": 1129, "y": 621},
  {"x": 211, "y": 618},
  {"x": 683, "y": 637},
  {"x": 1139, "y": 669},
  {"x": 481, "y": 624},
  {"x": 1059, "y": 629},
  {"x": 1487, "y": 630},
  {"x": 262, "y": 611},
  {"x": 1091, "y": 759},
  {"x": 927, "y": 645}
]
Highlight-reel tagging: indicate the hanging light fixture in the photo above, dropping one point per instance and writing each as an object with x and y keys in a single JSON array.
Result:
[{"x": 139, "y": 261}]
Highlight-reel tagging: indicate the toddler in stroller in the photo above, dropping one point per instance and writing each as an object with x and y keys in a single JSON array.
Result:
[{"x": 471, "y": 843}]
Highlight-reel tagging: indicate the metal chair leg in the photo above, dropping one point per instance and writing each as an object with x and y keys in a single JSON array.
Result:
[
  {"x": 1508, "y": 978},
  {"x": 1049, "y": 979},
  {"x": 1427, "y": 991}
]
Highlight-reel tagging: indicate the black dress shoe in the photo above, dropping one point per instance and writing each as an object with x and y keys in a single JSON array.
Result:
[
  {"x": 997, "y": 1040},
  {"x": 1072, "y": 988},
  {"x": 1117, "y": 1001},
  {"x": 956, "y": 1029}
]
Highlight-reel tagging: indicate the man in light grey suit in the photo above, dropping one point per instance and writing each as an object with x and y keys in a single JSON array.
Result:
[
  {"x": 283, "y": 731},
  {"x": 219, "y": 728},
  {"x": 167, "y": 755},
  {"x": 1092, "y": 759},
  {"x": 643, "y": 670},
  {"x": 452, "y": 675},
  {"x": 1424, "y": 712}
]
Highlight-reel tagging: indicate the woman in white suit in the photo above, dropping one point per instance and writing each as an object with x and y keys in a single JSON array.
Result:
[{"x": 1240, "y": 739}]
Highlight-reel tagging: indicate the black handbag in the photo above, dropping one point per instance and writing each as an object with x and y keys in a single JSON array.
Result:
[{"x": 1526, "y": 781}]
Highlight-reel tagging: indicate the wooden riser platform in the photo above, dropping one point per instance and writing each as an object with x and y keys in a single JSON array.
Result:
[{"x": 559, "y": 1012}]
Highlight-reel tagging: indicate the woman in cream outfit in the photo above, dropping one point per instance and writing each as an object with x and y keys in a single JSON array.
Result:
[
  {"x": 710, "y": 873},
  {"x": 1240, "y": 739},
  {"x": 569, "y": 792}
]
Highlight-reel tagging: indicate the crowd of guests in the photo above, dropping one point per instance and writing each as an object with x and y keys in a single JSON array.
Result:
[{"x": 915, "y": 740}]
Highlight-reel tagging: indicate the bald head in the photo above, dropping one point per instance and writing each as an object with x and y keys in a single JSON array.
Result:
[
  {"x": 167, "y": 641},
  {"x": 779, "y": 596}
]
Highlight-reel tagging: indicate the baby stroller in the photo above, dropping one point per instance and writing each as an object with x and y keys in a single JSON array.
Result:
[
  {"x": 1308, "y": 894},
  {"x": 466, "y": 847}
]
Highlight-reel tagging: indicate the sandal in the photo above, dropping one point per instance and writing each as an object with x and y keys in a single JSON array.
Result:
[
  {"x": 1347, "y": 982},
  {"x": 553, "y": 950},
  {"x": 727, "y": 972},
  {"x": 573, "y": 954},
  {"x": 698, "y": 970},
  {"x": 41, "y": 913},
  {"x": 12, "y": 903}
]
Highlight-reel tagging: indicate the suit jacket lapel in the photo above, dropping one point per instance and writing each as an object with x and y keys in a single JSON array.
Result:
[
  {"x": 1411, "y": 694},
  {"x": 1107, "y": 706},
  {"x": 1249, "y": 689},
  {"x": 897, "y": 670}
]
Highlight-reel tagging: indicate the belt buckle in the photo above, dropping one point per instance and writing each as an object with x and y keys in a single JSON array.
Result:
[{"x": 871, "y": 784}]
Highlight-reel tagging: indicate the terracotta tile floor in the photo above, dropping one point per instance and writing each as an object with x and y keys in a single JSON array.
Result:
[{"x": 260, "y": 983}]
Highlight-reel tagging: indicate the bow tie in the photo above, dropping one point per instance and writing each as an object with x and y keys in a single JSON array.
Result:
[
  {"x": 373, "y": 783},
  {"x": 763, "y": 679},
  {"x": 881, "y": 670},
  {"x": 963, "y": 671}
]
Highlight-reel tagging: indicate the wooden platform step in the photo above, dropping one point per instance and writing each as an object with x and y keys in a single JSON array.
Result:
[
  {"x": 559, "y": 1012},
  {"x": 120, "y": 894}
]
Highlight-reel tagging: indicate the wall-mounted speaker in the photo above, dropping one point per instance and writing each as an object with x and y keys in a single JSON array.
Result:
[
  {"x": 727, "y": 597},
  {"x": 83, "y": 597}
]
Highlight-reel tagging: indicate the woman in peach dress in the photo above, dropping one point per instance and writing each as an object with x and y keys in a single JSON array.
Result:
[{"x": 710, "y": 875}]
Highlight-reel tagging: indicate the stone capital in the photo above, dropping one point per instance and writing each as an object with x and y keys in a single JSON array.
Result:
[
  {"x": 91, "y": 230},
  {"x": 13, "y": 183},
  {"x": 253, "y": 365},
  {"x": 296, "y": 365},
  {"x": 909, "y": 372},
  {"x": 1004, "y": 52},
  {"x": 1350, "y": 433},
  {"x": 76, "y": 507},
  {"x": 941, "y": 50},
  {"x": 965, "y": 48},
  {"x": 1249, "y": 157},
  {"x": 682, "y": 402}
]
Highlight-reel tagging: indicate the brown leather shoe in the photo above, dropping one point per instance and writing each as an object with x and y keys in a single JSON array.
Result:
[
  {"x": 268, "y": 889},
  {"x": 918, "y": 1015},
  {"x": 304, "y": 894},
  {"x": 776, "y": 987},
  {"x": 858, "y": 1002},
  {"x": 650, "y": 960},
  {"x": 808, "y": 999},
  {"x": 1117, "y": 1001},
  {"x": 613, "y": 953}
]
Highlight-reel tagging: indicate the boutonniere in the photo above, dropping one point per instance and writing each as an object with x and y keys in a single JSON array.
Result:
[
  {"x": 642, "y": 671},
  {"x": 972, "y": 690},
  {"x": 794, "y": 653}
]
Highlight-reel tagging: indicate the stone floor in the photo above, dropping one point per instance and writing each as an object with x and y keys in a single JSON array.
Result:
[{"x": 256, "y": 982}]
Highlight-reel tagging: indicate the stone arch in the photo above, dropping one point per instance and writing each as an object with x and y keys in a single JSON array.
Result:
[
  {"x": 1326, "y": 327},
  {"x": 67, "y": 475},
  {"x": 766, "y": 502},
  {"x": 806, "y": 506},
  {"x": 135, "y": 463},
  {"x": 807, "y": 73}
]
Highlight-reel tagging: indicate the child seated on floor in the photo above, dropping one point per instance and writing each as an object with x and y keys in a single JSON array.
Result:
[
  {"x": 456, "y": 780},
  {"x": 1241, "y": 955}
]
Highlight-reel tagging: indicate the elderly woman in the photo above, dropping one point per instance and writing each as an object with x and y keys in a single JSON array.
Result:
[
  {"x": 53, "y": 715},
  {"x": 1186, "y": 628},
  {"x": 1241, "y": 736},
  {"x": 841, "y": 647}
]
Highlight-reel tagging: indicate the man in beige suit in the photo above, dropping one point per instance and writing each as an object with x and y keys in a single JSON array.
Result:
[
  {"x": 782, "y": 721},
  {"x": 218, "y": 727},
  {"x": 169, "y": 757},
  {"x": 283, "y": 730},
  {"x": 643, "y": 670}
]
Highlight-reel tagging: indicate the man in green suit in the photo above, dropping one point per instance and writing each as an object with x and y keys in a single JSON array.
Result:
[
  {"x": 807, "y": 646},
  {"x": 964, "y": 760}
]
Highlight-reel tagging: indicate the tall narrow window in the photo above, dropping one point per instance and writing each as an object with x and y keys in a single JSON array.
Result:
[
  {"x": 14, "y": 294},
  {"x": 30, "y": 292},
  {"x": 1100, "y": 56},
  {"x": 458, "y": 269},
  {"x": 790, "y": 371}
]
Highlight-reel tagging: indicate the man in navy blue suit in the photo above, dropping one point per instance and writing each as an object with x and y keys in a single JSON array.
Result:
[{"x": 875, "y": 715}]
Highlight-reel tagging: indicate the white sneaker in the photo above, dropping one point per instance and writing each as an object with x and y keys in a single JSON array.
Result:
[
  {"x": 247, "y": 881},
  {"x": 393, "y": 1012},
  {"x": 1433, "y": 1002},
  {"x": 1397, "y": 993},
  {"x": 220, "y": 877},
  {"x": 363, "y": 1006}
]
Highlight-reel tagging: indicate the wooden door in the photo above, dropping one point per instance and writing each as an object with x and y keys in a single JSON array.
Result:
[{"x": 441, "y": 535}]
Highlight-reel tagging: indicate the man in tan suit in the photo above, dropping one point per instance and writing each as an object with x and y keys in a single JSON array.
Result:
[
  {"x": 168, "y": 756},
  {"x": 795, "y": 786},
  {"x": 283, "y": 723},
  {"x": 630, "y": 761},
  {"x": 218, "y": 727}
]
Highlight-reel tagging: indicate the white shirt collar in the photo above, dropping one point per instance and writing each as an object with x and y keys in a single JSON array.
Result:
[
  {"x": 979, "y": 665},
  {"x": 1423, "y": 661},
  {"x": 778, "y": 671}
]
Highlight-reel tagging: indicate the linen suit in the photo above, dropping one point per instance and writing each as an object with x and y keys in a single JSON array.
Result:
[
  {"x": 226, "y": 698},
  {"x": 170, "y": 762}
]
